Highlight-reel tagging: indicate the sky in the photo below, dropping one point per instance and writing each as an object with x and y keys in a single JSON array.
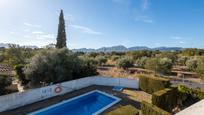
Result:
[{"x": 98, "y": 23}]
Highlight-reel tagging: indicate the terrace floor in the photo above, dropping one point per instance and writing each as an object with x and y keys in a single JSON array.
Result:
[{"x": 129, "y": 97}]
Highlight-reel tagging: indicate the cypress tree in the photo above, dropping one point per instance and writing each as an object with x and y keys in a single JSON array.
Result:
[{"x": 61, "y": 36}]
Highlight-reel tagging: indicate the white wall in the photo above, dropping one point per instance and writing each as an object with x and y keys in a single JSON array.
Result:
[
  {"x": 15, "y": 100},
  {"x": 195, "y": 109}
]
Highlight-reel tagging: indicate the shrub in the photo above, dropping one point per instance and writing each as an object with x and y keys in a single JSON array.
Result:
[
  {"x": 101, "y": 60},
  {"x": 115, "y": 57},
  {"x": 165, "y": 99},
  {"x": 141, "y": 61},
  {"x": 4, "y": 82},
  {"x": 192, "y": 64},
  {"x": 20, "y": 74},
  {"x": 200, "y": 67},
  {"x": 125, "y": 63},
  {"x": 182, "y": 60},
  {"x": 124, "y": 110},
  {"x": 160, "y": 65},
  {"x": 150, "y": 109},
  {"x": 194, "y": 92},
  {"x": 86, "y": 68},
  {"x": 152, "y": 84}
]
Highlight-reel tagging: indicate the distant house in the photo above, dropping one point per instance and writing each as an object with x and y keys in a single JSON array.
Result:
[
  {"x": 182, "y": 71},
  {"x": 139, "y": 71}
]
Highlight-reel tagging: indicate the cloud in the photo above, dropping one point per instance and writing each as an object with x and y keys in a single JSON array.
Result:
[
  {"x": 181, "y": 42},
  {"x": 48, "y": 36},
  {"x": 27, "y": 36},
  {"x": 26, "y": 30},
  {"x": 69, "y": 17},
  {"x": 12, "y": 32},
  {"x": 40, "y": 36},
  {"x": 32, "y": 25},
  {"x": 145, "y": 19},
  {"x": 145, "y": 4},
  {"x": 86, "y": 30},
  {"x": 176, "y": 37},
  {"x": 37, "y": 32}
]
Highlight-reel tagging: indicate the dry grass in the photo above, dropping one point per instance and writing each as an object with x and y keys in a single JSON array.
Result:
[
  {"x": 116, "y": 72},
  {"x": 138, "y": 95}
]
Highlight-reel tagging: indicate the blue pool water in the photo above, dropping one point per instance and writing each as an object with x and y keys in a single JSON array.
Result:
[{"x": 90, "y": 103}]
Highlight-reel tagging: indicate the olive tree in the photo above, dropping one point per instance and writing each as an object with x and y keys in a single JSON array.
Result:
[
  {"x": 125, "y": 62},
  {"x": 101, "y": 60},
  {"x": 57, "y": 65},
  {"x": 192, "y": 64},
  {"x": 50, "y": 66},
  {"x": 160, "y": 65}
]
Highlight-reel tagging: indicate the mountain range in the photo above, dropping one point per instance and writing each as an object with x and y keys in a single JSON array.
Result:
[
  {"x": 121, "y": 48},
  {"x": 6, "y": 45}
]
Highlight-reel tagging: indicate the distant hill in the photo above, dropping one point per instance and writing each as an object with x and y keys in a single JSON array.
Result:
[
  {"x": 167, "y": 48},
  {"x": 121, "y": 48},
  {"x": 6, "y": 45}
]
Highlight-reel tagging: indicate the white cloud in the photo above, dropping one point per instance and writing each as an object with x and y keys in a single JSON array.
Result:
[
  {"x": 37, "y": 32},
  {"x": 12, "y": 32},
  {"x": 27, "y": 36},
  {"x": 32, "y": 25},
  {"x": 84, "y": 29},
  {"x": 145, "y": 19},
  {"x": 26, "y": 30},
  {"x": 181, "y": 42},
  {"x": 40, "y": 36},
  {"x": 69, "y": 17},
  {"x": 145, "y": 4},
  {"x": 48, "y": 36},
  {"x": 176, "y": 37},
  {"x": 44, "y": 36}
]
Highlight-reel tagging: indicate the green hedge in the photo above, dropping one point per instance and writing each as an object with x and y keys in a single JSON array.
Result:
[
  {"x": 194, "y": 92},
  {"x": 4, "y": 82},
  {"x": 150, "y": 109},
  {"x": 124, "y": 110},
  {"x": 152, "y": 84},
  {"x": 165, "y": 99}
]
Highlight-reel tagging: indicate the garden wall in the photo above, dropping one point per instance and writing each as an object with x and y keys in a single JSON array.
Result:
[{"x": 19, "y": 99}]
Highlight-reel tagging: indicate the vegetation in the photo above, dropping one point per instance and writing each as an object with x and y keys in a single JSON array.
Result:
[
  {"x": 152, "y": 84},
  {"x": 165, "y": 99},
  {"x": 101, "y": 60},
  {"x": 125, "y": 62},
  {"x": 4, "y": 82},
  {"x": 20, "y": 74},
  {"x": 61, "y": 36},
  {"x": 57, "y": 65},
  {"x": 194, "y": 92},
  {"x": 147, "y": 108},
  {"x": 160, "y": 65},
  {"x": 123, "y": 110}
]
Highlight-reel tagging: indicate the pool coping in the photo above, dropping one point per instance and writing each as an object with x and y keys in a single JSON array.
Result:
[{"x": 117, "y": 99}]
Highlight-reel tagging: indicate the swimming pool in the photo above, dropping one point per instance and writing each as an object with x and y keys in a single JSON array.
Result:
[{"x": 91, "y": 103}]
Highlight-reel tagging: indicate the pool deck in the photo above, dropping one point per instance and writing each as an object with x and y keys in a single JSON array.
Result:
[{"x": 128, "y": 96}]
